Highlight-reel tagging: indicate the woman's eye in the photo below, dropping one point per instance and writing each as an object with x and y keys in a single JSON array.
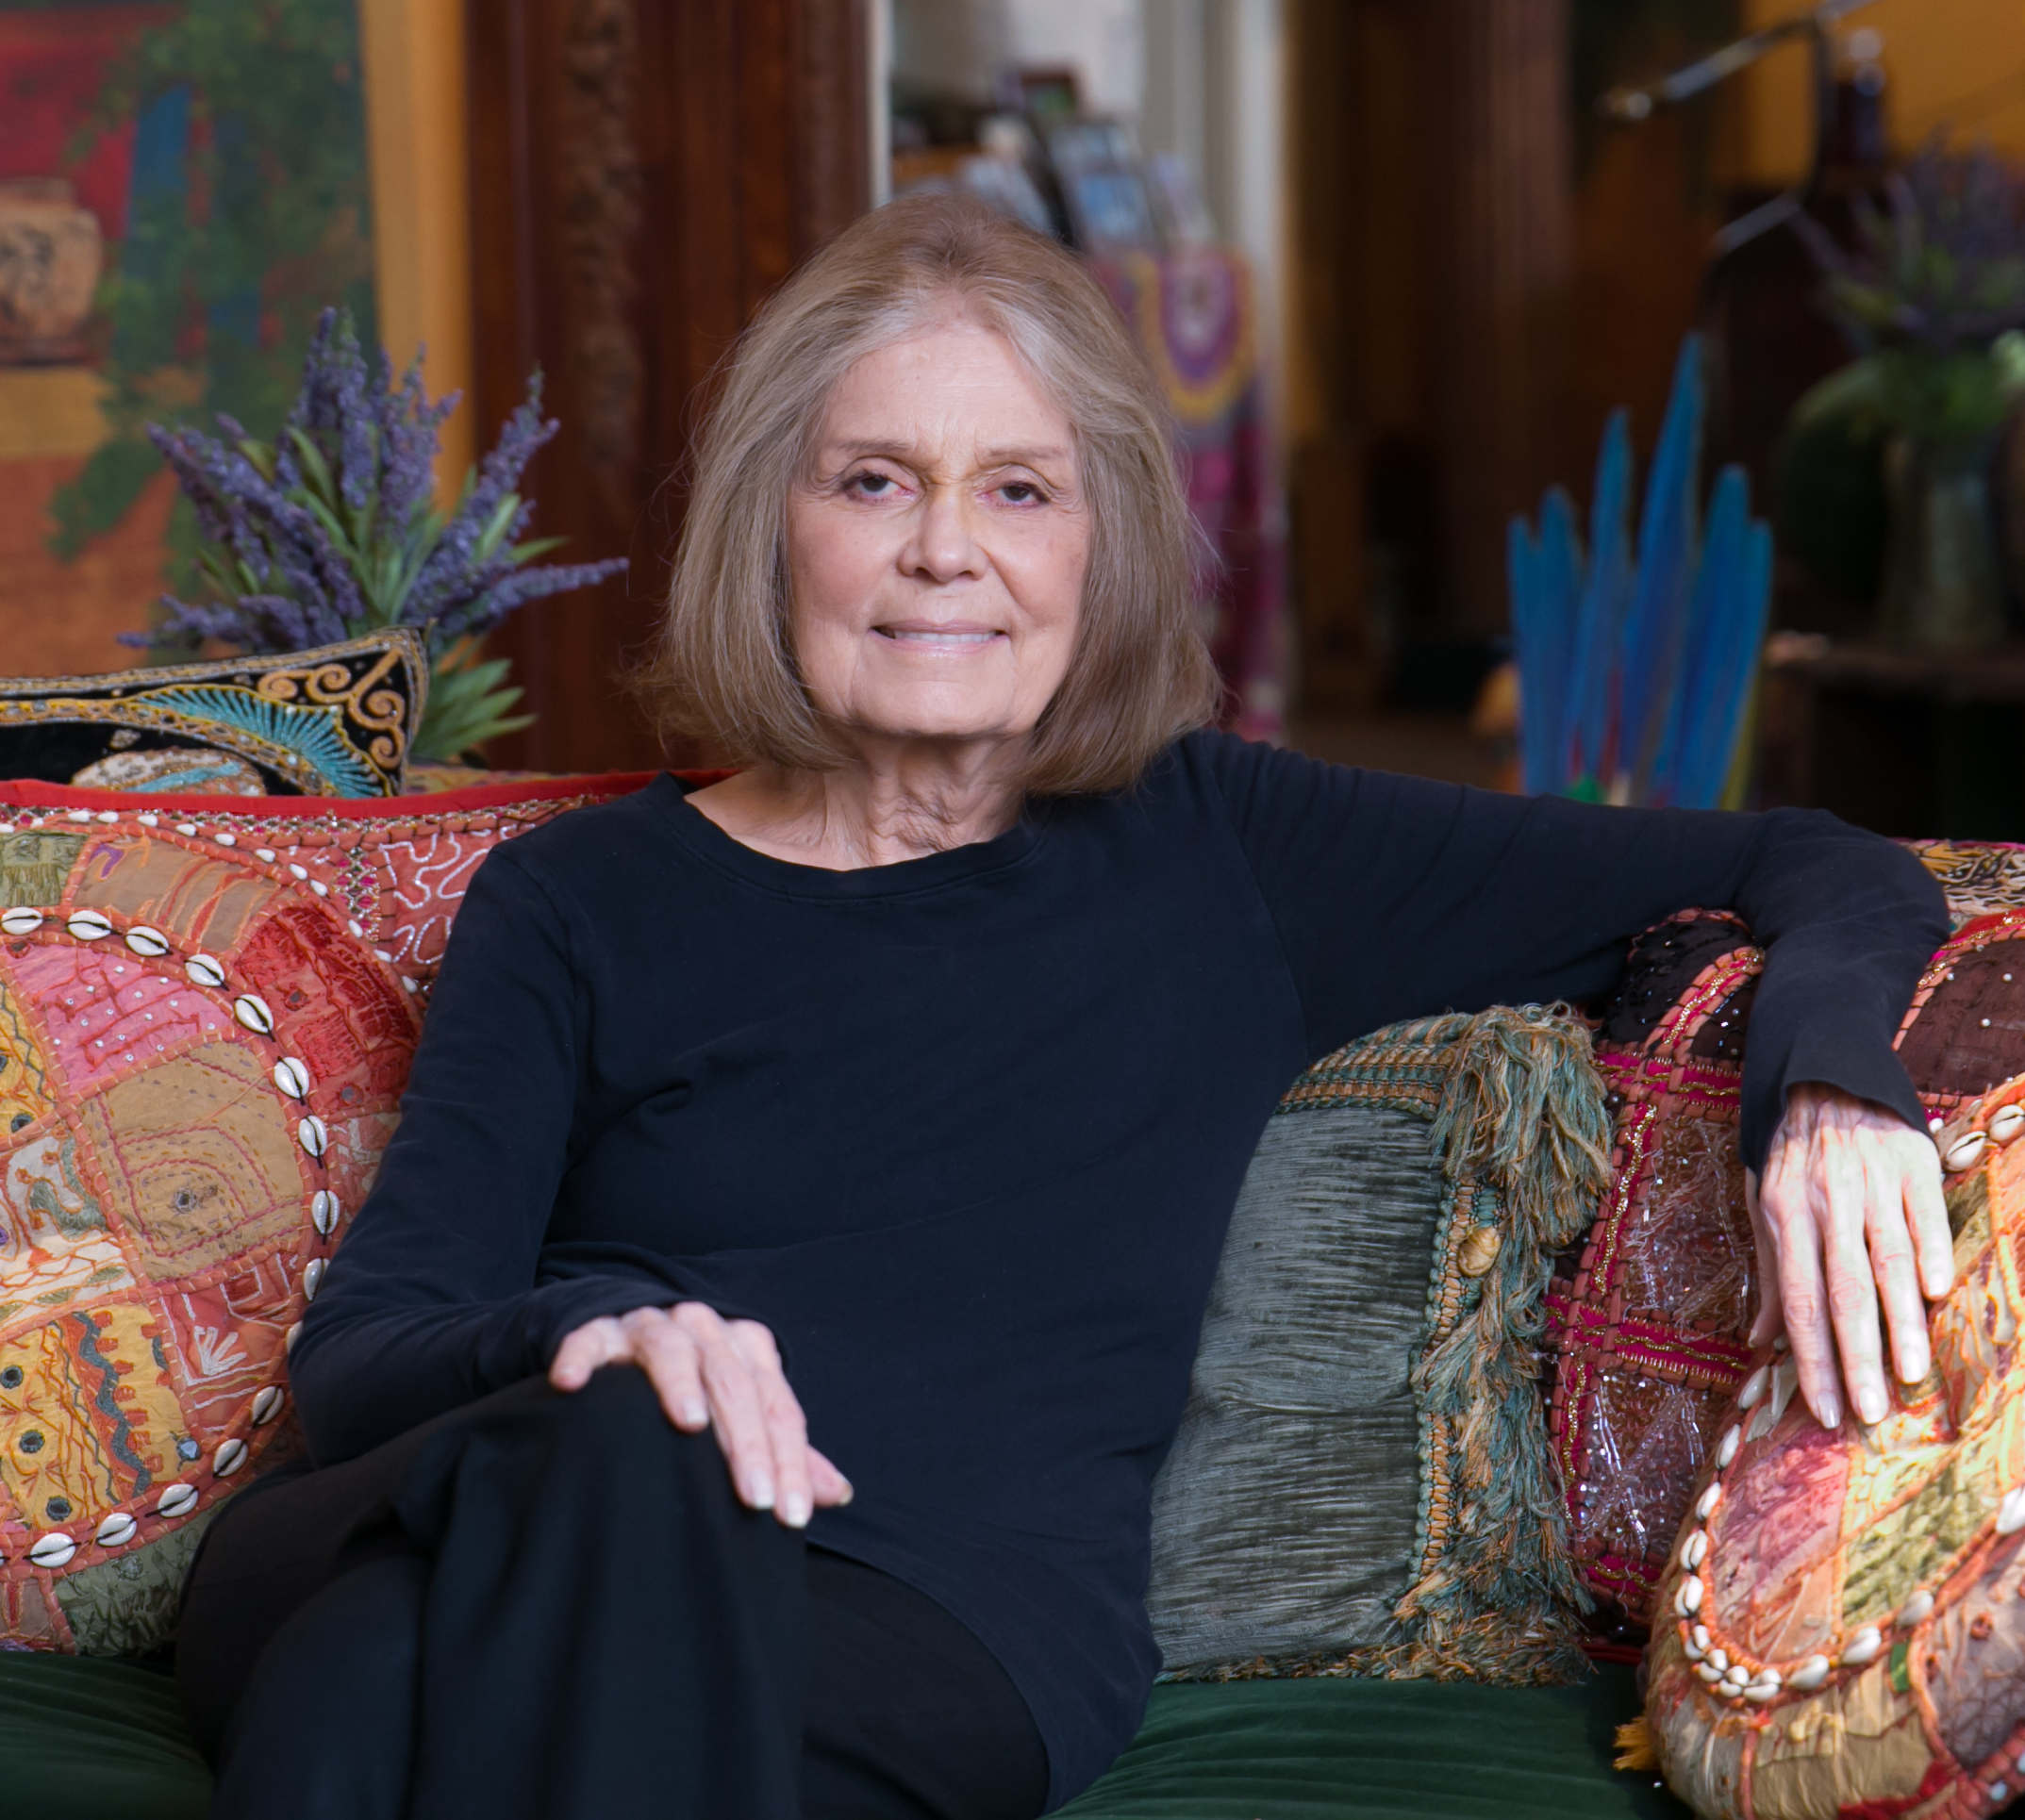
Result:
[
  {"x": 1021, "y": 492},
  {"x": 870, "y": 486}
]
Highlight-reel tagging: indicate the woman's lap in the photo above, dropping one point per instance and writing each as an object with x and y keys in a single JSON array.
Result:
[{"x": 556, "y": 1603}]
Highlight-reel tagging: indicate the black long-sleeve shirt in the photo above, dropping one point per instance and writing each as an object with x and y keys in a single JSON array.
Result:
[{"x": 966, "y": 1130}]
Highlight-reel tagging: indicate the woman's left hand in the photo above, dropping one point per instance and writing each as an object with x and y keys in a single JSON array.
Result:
[{"x": 1849, "y": 1213}]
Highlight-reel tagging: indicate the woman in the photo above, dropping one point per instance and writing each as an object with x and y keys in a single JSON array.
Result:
[{"x": 868, "y": 1122}]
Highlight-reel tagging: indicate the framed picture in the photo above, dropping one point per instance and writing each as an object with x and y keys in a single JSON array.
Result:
[{"x": 181, "y": 190}]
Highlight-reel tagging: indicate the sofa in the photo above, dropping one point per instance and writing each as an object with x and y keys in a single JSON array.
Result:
[{"x": 1303, "y": 1731}]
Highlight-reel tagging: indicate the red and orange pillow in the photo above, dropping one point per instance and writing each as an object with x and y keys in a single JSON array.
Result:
[{"x": 208, "y": 1009}]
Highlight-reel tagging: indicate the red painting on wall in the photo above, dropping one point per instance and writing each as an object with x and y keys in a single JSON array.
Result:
[{"x": 179, "y": 195}]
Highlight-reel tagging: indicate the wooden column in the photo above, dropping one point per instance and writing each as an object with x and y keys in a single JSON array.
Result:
[
  {"x": 643, "y": 172},
  {"x": 1499, "y": 157}
]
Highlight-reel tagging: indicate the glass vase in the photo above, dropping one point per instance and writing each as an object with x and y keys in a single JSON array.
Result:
[{"x": 1943, "y": 583}]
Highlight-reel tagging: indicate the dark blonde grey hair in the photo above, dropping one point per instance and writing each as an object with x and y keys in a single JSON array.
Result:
[{"x": 1140, "y": 675}]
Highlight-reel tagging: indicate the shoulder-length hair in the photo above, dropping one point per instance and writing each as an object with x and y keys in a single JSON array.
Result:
[{"x": 1140, "y": 675}]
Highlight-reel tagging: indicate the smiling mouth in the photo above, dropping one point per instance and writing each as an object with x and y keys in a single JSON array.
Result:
[{"x": 938, "y": 637}]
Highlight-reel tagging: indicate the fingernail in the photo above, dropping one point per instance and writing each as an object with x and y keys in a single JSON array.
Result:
[
  {"x": 1830, "y": 1414},
  {"x": 694, "y": 1413},
  {"x": 1871, "y": 1403},
  {"x": 760, "y": 1492},
  {"x": 850, "y": 1492},
  {"x": 795, "y": 1512}
]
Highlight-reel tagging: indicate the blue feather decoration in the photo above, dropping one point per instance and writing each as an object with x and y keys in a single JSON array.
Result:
[
  {"x": 1605, "y": 595},
  {"x": 1638, "y": 674},
  {"x": 313, "y": 734}
]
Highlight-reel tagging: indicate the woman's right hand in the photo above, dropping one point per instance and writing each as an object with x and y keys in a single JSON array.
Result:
[{"x": 724, "y": 1374}]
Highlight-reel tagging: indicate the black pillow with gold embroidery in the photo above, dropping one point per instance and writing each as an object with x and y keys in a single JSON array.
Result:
[{"x": 334, "y": 721}]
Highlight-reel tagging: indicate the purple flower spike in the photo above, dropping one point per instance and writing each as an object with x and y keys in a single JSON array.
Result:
[{"x": 330, "y": 530}]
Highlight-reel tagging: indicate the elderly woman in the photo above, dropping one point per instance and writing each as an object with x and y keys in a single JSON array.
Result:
[{"x": 868, "y": 1123}]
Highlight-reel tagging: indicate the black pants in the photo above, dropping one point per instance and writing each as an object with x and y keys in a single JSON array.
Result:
[{"x": 548, "y": 1607}]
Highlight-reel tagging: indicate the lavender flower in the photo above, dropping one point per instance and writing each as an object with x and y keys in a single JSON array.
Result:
[
  {"x": 329, "y": 532},
  {"x": 1943, "y": 268}
]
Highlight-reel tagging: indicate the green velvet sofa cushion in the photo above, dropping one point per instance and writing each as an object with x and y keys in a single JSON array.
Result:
[
  {"x": 94, "y": 1738},
  {"x": 88, "y": 1739}
]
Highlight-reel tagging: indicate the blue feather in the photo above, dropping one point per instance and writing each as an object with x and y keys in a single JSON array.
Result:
[
  {"x": 1638, "y": 675},
  {"x": 1656, "y": 626},
  {"x": 313, "y": 734}
]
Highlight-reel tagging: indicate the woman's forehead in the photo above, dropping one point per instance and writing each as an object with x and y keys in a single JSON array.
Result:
[{"x": 950, "y": 382}]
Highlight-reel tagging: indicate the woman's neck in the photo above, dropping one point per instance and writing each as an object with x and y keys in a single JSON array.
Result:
[{"x": 902, "y": 800}]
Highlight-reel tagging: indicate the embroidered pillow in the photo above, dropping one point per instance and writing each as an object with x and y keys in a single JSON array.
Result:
[
  {"x": 1361, "y": 1483},
  {"x": 334, "y": 721},
  {"x": 1650, "y": 1318},
  {"x": 207, "y": 1007},
  {"x": 1845, "y": 1629}
]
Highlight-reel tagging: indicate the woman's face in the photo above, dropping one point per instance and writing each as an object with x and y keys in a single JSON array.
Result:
[{"x": 937, "y": 549}]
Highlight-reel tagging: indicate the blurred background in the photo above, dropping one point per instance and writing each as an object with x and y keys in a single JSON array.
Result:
[{"x": 1620, "y": 397}]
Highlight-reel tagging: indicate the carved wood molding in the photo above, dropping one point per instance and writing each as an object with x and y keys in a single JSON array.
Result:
[{"x": 601, "y": 220}]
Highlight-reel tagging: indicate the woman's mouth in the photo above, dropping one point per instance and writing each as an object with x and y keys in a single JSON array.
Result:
[{"x": 938, "y": 637}]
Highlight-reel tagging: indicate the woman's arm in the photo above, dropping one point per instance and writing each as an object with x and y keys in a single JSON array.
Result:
[
  {"x": 1396, "y": 896},
  {"x": 432, "y": 1299}
]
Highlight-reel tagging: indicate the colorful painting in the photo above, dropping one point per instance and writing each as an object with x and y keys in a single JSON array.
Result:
[
  {"x": 183, "y": 187},
  {"x": 1195, "y": 314}
]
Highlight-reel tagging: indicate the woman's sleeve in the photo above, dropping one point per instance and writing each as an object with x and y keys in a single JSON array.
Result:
[
  {"x": 1397, "y": 897},
  {"x": 432, "y": 1298}
]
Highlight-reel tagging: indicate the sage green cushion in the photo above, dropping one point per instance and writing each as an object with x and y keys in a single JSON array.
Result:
[
  {"x": 1362, "y": 1478},
  {"x": 1284, "y": 1519},
  {"x": 85, "y": 1738}
]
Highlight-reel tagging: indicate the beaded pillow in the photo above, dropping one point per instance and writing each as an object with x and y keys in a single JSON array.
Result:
[
  {"x": 207, "y": 1008},
  {"x": 1650, "y": 1318},
  {"x": 1846, "y": 1633},
  {"x": 334, "y": 721},
  {"x": 1361, "y": 1483}
]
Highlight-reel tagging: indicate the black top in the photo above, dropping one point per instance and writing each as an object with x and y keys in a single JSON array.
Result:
[{"x": 966, "y": 1130}]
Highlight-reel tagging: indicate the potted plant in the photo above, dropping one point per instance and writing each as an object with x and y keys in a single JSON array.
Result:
[
  {"x": 331, "y": 531},
  {"x": 1934, "y": 299}
]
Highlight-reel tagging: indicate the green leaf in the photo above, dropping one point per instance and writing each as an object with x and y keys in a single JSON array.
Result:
[{"x": 467, "y": 704}]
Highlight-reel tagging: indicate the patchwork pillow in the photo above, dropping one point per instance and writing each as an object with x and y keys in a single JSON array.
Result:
[
  {"x": 207, "y": 1007},
  {"x": 1846, "y": 1630},
  {"x": 1650, "y": 1318},
  {"x": 1361, "y": 1483},
  {"x": 334, "y": 721},
  {"x": 1981, "y": 877}
]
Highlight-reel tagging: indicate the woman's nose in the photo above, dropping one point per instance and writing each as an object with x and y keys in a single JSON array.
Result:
[{"x": 943, "y": 547}]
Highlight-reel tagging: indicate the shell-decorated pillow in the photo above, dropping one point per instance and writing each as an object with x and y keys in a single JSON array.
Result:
[
  {"x": 208, "y": 1009},
  {"x": 1844, "y": 1627}
]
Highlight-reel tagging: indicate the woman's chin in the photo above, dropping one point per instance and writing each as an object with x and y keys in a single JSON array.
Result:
[
  {"x": 940, "y": 726},
  {"x": 940, "y": 713}
]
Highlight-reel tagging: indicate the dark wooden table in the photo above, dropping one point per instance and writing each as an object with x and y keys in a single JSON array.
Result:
[{"x": 1908, "y": 742}]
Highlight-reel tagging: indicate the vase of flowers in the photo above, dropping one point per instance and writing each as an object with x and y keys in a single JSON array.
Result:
[
  {"x": 331, "y": 531},
  {"x": 1934, "y": 297}
]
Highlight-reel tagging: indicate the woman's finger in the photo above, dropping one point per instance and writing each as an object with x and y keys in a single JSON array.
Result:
[
  {"x": 1892, "y": 1264},
  {"x": 1926, "y": 1212},
  {"x": 735, "y": 1407},
  {"x": 787, "y": 1426},
  {"x": 669, "y": 1357},
  {"x": 1840, "y": 1206},
  {"x": 830, "y": 1486},
  {"x": 1802, "y": 1291},
  {"x": 596, "y": 1344}
]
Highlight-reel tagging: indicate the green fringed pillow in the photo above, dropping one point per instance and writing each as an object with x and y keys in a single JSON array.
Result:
[{"x": 1362, "y": 1482}]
